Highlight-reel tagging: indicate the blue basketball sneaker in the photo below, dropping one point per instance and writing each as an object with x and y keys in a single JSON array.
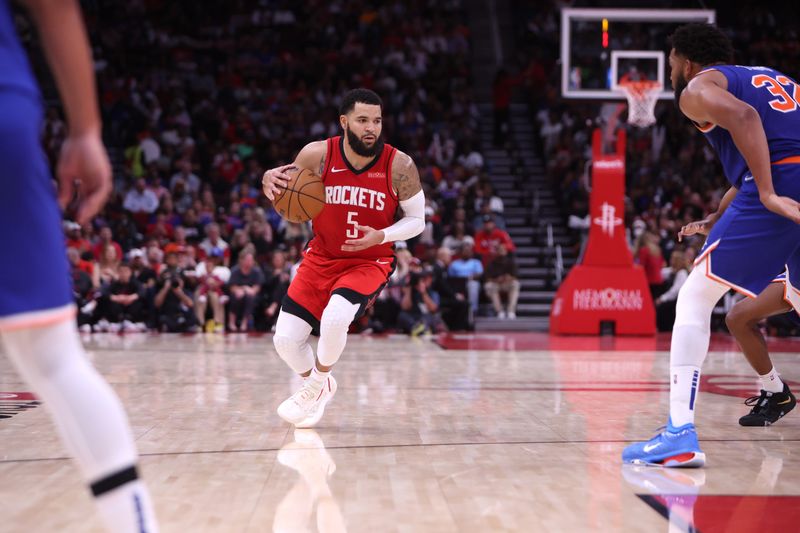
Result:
[{"x": 673, "y": 447}]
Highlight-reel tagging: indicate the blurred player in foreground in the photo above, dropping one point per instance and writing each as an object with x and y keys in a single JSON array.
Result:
[{"x": 37, "y": 313}]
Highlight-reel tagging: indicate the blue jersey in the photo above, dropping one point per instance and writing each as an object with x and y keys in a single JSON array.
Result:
[
  {"x": 776, "y": 98},
  {"x": 15, "y": 72}
]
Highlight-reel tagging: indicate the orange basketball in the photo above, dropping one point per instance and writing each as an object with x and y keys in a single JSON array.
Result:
[{"x": 303, "y": 198}]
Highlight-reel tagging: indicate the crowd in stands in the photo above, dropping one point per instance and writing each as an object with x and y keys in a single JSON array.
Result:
[
  {"x": 672, "y": 175},
  {"x": 199, "y": 100}
]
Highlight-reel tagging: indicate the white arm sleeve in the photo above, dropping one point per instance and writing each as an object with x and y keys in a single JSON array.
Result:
[{"x": 412, "y": 223}]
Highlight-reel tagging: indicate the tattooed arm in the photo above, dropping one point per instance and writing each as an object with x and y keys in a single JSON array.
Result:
[
  {"x": 312, "y": 157},
  {"x": 406, "y": 184},
  {"x": 405, "y": 177}
]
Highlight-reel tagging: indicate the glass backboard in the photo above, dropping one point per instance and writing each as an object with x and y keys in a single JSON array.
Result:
[{"x": 599, "y": 47}]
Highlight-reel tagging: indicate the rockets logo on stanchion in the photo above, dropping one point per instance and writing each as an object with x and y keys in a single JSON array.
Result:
[
  {"x": 608, "y": 219},
  {"x": 605, "y": 291}
]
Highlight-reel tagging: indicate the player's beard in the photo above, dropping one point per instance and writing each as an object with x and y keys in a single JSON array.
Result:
[
  {"x": 362, "y": 149},
  {"x": 680, "y": 85}
]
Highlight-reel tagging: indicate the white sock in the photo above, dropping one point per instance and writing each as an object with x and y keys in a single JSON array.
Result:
[
  {"x": 86, "y": 411},
  {"x": 684, "y": 385},
  {"x": 771, "y": 382},
  {"x": 316, "y": 379}
]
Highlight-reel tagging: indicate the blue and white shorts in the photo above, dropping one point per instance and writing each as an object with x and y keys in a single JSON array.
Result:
[
  {"x": 749, "y": 244},
  {"x": 791, "y": 281},
  {"x": 35, "y": 286}
]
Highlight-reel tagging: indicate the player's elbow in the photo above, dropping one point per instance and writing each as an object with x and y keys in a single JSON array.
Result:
[
  {"x": 419, "y": 226},
  {"x": 741, "y": 121},
  {"x": 746, "y": 116}
]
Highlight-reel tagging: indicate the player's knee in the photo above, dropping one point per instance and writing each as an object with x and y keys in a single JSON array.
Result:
[
  {"x": 285, "y": 345},
  {"x": 738, "y": 319},
  {"x": 296, "y": 353},
  {"x": 37, "y": 359},
  {"x": 338, "y": 314},
  {"x": 291, "y": 338},
  {"x": 697, "y": 298},
  {"x": 689, "y": 310},
  {"x": 733, "y": 320},
  {"x": 333, "y": 320}
]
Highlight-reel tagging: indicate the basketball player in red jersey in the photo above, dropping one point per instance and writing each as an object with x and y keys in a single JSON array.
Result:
[{"x": 351, "y": 256}]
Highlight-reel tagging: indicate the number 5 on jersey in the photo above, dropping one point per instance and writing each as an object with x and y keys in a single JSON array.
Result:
[{"x": 352, "y": 233}]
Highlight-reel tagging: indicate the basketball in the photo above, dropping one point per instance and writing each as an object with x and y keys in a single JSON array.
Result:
[{"x": 303, "y": 198}]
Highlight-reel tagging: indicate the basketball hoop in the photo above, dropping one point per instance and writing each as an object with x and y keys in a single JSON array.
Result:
[{"x": 642, "y": 96}]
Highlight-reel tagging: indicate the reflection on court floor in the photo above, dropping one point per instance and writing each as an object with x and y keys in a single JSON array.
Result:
[{"x": 483, "y": 432}]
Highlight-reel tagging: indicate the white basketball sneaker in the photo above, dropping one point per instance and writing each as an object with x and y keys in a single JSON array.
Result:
[{"x": 305, "y": 407}]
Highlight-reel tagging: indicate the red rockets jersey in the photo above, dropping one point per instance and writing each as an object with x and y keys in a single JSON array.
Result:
[{"x": 364, "y": 197}]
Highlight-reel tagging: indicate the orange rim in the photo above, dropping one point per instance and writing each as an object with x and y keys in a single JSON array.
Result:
[{"x": 639, "y": 87}]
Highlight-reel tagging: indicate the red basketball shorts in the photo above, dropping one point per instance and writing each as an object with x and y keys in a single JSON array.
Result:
[{"x": 318, "y": 278}]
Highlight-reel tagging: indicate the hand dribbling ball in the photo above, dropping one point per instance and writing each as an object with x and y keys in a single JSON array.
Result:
[{"x": 302, "y": 198}]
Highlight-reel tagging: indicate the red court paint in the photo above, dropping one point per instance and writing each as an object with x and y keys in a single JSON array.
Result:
[
  {"x": 728, "y": 513},
  {"x": 544, "y": 341},
  {"x": 16, "y": 396}
]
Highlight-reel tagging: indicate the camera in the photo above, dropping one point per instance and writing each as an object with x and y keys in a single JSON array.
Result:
[{"x": 172, "y": 278}]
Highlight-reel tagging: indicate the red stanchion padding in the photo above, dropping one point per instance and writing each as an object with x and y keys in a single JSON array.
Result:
[
  {"x": 591, "y": 295},
  {"x": 606, "y": 286}
]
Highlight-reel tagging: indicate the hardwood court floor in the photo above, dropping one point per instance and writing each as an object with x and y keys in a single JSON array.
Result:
[{"x": 473, "y": 433}]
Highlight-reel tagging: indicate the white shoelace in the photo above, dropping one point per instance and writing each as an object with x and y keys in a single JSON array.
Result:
[{"x": 305, "y": 397}]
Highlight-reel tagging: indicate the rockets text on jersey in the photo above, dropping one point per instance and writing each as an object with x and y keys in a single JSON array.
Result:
[{"x": 353, "y": 198}]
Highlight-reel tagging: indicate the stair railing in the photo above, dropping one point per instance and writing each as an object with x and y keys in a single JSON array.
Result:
[{"x": 559, "y": 266}]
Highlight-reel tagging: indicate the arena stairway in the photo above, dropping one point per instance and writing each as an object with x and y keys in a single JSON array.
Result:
[{"x": 533, "y": 218}]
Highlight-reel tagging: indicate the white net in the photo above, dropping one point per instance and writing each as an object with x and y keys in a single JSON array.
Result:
[{"x": 642, "y": 97}]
